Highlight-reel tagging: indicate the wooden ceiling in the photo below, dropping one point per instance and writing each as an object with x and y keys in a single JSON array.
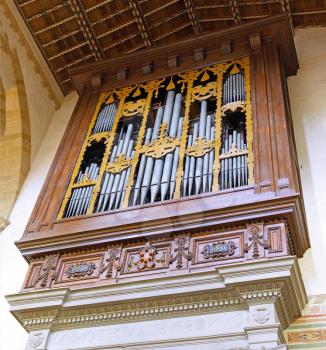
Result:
[{"x": 74, "y": 32}]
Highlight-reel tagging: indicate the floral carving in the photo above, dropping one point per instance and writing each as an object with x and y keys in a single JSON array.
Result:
[
  {"x": 148, "y": 257},
  {"x": 182, "y": 251}
]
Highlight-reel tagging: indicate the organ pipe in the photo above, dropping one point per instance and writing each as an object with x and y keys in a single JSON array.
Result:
[{"x": 175, "y": 153}]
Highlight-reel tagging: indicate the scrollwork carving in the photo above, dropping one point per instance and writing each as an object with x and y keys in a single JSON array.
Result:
[
  {"x": 162, "y": 145},
  {"x": 120, "y": 163},
  {"x": 200, "y": 147}
]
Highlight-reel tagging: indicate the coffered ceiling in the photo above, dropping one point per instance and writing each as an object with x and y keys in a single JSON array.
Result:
[{"x": 74, "y": 32}]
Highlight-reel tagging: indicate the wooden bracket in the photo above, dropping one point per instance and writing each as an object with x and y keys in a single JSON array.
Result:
[
  {"x": 147, "y": 68},
  {"x": 122, "y": 74},
  {"x": 173, "y": 61},
  {"x": 96, "y": 80},
  {"x": 226, "y": 47},
  {"x": 255, "y": 41},
  {"x": 199, "y": 55}
]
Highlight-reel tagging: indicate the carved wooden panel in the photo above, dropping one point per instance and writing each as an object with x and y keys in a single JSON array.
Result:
[{"x": 186, "y": 252}]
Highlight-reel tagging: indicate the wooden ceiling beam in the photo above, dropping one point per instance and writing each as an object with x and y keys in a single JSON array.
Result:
[
  {"x": 111, "y": 15},
  {"x": 46, "y": 12},
  {"x": 87, "y": 29},
  {"x": 55, "y": 25},
  {"x": 64, "y": 52},
  {"x": 193, "y": 16},
  {"x": 99, "y": 4},
  {"x": 235, "y": 11},
  {"x": 60, "y": 38},
  {"x": 142, "y": 26}
]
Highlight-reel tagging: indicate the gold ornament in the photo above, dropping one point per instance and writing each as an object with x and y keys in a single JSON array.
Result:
[
  {"x": 120, "y": 163},
  {"x": 200, "y": 147},
  {"x": 162, "y": 145}
]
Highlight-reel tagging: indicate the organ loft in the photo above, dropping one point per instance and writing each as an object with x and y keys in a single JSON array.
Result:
[{"x": 172, "y": 215}]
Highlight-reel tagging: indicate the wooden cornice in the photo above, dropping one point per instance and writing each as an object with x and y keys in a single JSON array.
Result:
[{"x": 277, "y": 27}]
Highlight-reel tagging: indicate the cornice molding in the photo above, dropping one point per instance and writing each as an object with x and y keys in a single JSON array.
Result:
[
  {"x": 65, "y": 308},
  {"x": 25, "y": 38}
]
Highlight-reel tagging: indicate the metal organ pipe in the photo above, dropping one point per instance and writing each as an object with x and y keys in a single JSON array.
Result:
[
  {"x": 168, "y": 161},
  {"x": 150, "y": 161},
  {"x": 105, "y": 119},
  {"x": 175, "y": 161},
  {"x": 206, "y": 156},
  {"x": 199, "y": 160},
  {"x": 211, "y": 162},
  {"x": 186, "y": 172},
  {"x": 158, "y": 165},
  {"x": 192, "y": 161},
  {"x": 141, "y": 168}
]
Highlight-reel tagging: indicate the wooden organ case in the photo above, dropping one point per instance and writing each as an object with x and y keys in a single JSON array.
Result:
[{"x": 177, "y": 159}]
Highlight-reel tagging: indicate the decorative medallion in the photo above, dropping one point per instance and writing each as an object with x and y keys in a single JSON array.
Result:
[
  {"x": 36, "y": 339},
  {"x": 80, "y": 270},
  {"x": 162, "y": 145},
  {"x": 219, "y": 249},
  {"x": 261, "y": 315}
]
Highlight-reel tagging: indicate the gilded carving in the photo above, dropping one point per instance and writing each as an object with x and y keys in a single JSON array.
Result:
[
  {"x": 203, "y": 92},
  {"x": 134, "y": 107},
  {"x": 120, "y": 163},
  {"x": 200, "y": 147},
  {"x": 233, "y": 152},
  {"x": 237, "y": 106},
  {"x": 182, "y": 252},
  {"x": 162, "y": 145}
]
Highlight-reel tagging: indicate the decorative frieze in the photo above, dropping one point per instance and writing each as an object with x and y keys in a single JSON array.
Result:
[
  {"x": 148, "y": 257},
  {"x": 134, "y": 261}
]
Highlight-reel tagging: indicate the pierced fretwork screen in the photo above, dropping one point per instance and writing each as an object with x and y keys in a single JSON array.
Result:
[{"x": 168, "y": 138}]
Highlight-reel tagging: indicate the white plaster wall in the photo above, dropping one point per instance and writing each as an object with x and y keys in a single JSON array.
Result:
[
  {"x": 12, "y": 266},
  {"x": 308, "y": 103}
]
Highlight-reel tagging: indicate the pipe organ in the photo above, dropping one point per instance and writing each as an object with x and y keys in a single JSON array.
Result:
[
  {"x": 179, "y": 136},
  {"x": 175, "y": 192}
]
